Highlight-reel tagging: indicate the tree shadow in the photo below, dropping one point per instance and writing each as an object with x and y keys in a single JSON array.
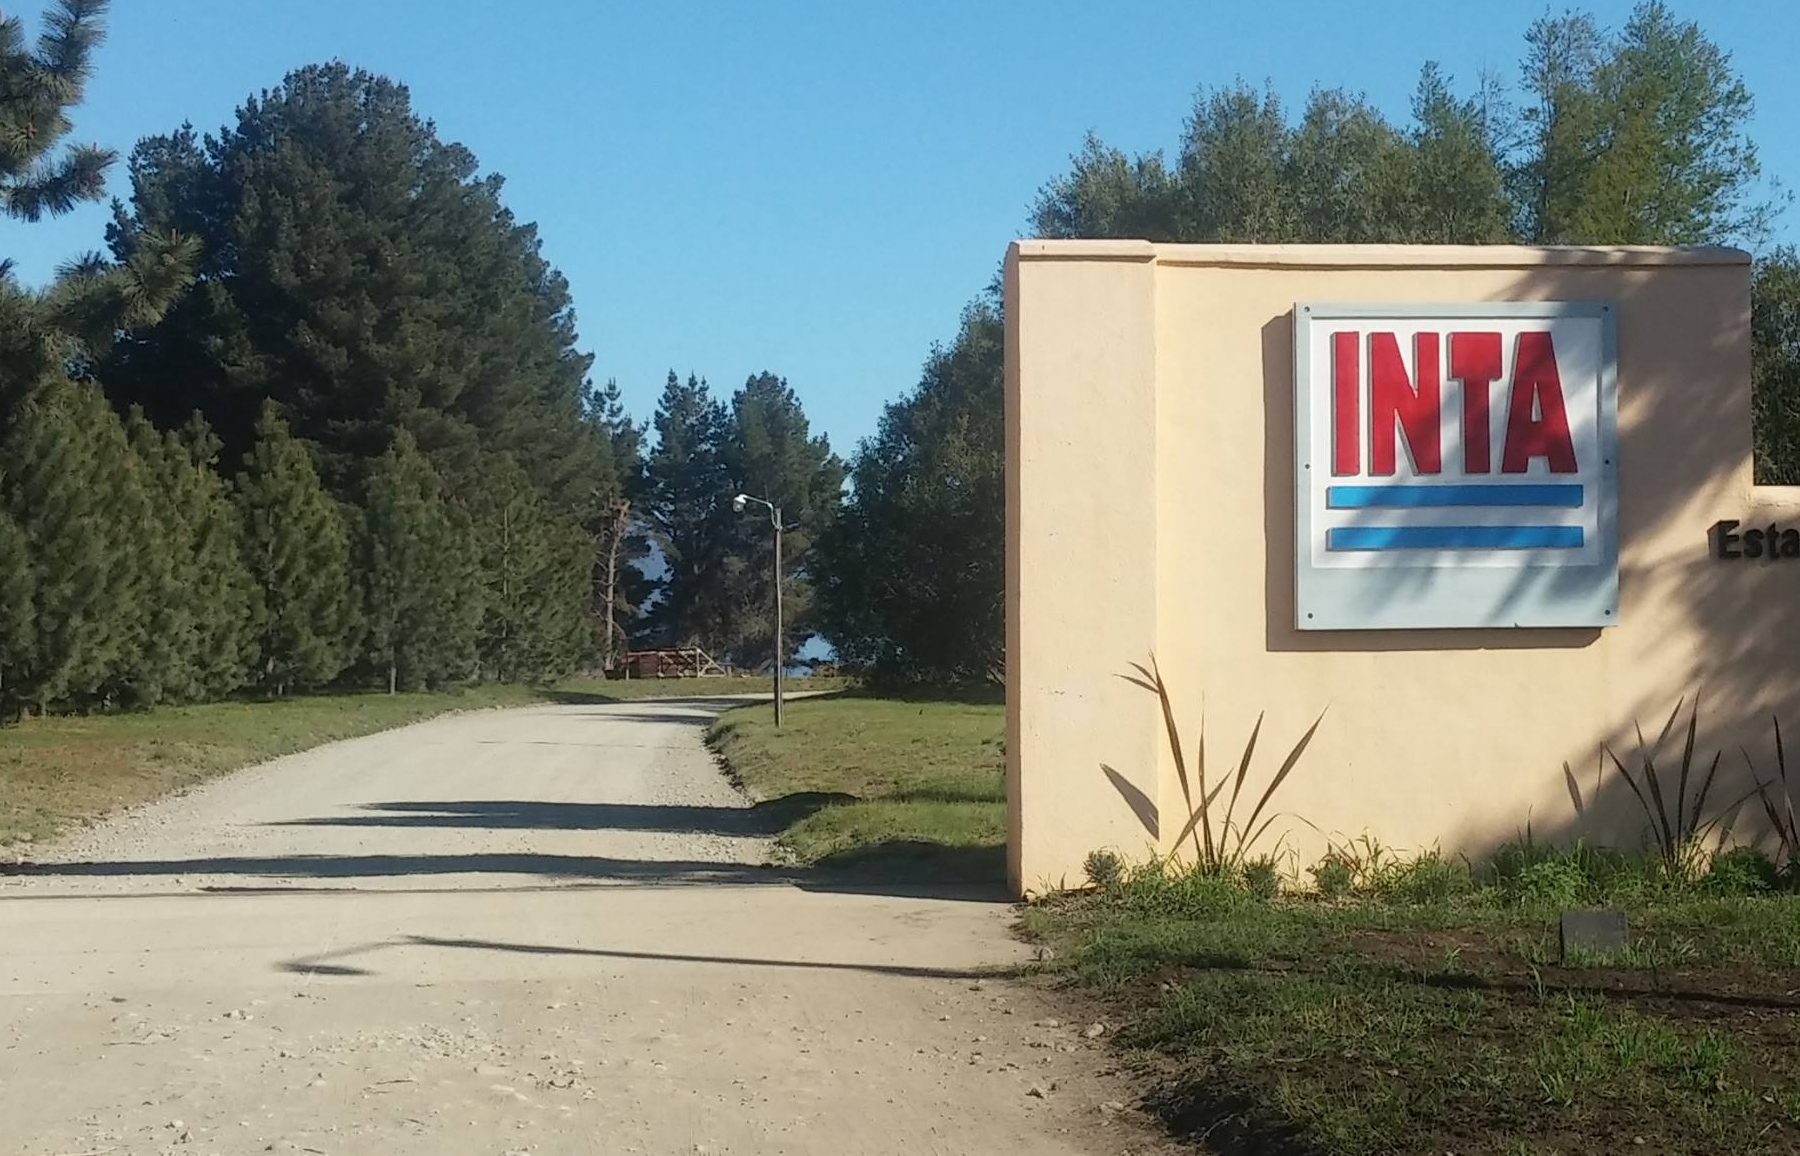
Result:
[
  {"x": 917, "y": 863},
  {"x": 576, "y": 698},
  {"x": 762, "y": 819},
  {"x": 964, "y": 694},
  {"x": 323, "y": 962},
  {"x": 901, "y": 867}
]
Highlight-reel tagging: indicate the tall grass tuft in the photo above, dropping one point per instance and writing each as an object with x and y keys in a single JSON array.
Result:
[
  {"x": 1224, "y": 848},
  {"x": 1777, "y": 797},
  {"x": 1677, "y": 819}
]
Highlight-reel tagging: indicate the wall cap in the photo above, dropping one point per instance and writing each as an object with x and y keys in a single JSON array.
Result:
[{"x": 1380, "y": 256}]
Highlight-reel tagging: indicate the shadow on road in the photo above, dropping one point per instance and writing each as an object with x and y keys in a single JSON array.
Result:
[
  {"x": 325, "y": 963},
  {"x": 898, "y": 869},
  {"x": 763, "y": 819}
]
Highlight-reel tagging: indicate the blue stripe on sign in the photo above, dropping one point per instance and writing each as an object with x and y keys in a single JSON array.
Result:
[
  {"x": 1404, "y": 496},
  {"x": 1453, "y": 538}
]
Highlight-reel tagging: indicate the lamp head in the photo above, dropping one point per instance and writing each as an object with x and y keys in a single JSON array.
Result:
[{"x": 738, "y": 503}]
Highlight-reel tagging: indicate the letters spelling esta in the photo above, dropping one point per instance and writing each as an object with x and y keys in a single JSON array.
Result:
[
  {"x": 1537, "y": 420},
  {"x": 1773, "y": 543}
]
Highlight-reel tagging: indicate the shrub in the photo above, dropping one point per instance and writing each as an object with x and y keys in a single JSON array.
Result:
[
  {"x": 1262, "y": 879},
  {"x": 1556, "y": 882},
  {"x": 1511, "y": 859},
  {"x": 1166, "y": 889},
  {"x": 1367, "y": 860},
  {"x": 1429, "y": 878},
  {"x": 1104, "y": 869},
  {"x": 1742, "y": 871},
  {"x": 1332, "y": 876}
]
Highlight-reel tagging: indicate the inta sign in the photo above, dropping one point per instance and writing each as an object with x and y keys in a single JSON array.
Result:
[{"x": 1455, "y": 465}]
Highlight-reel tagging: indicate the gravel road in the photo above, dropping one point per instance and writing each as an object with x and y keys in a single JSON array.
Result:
[{"x": 545, "y": 930}]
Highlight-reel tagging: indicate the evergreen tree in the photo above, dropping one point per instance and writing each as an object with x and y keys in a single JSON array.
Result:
[
  {"x": 18, "y": 620},
  {"x": 1345, "y": 175},
  {"x": 686, "y": 509},
  {"x": 1635, "y": 139},
  {"x": 224, "y": 594},
  {"x": 135, "y": 556},
  {"x": 70, "y": 485},
  {"x": 37, "y": 92},
  {"x": 1775, "y": 367},
  {"x": 911, "y": 578},
  {"x": 1106, "y": 194},
  {"x": 420, "y": 600},
  {"x": 74, "y": 494},
  {"x": 297, "y": 551},
  {"x": 535, "y": 578},
  {"x": 614, "y": 522},
  {"x": 769, "y": 451},
  {"x": 91, "y": 298},
  {"x": 361, "y": 273},
  {"x": 160, "y": 558},
  {"x": 1234, "y": 169},
  {"x": 1453, "y": 175}
]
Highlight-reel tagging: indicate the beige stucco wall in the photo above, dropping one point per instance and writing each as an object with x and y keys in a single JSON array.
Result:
[{"x": 1150, "y": 507}]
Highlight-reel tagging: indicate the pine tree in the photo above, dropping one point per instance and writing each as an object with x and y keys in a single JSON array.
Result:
[
  {"x": 297, "y": 551},
  {"x": 91, "y": 298},
  {"x": 769, "y": 451},
  {"x": 70, "y": 484},
  {"x": 37, "y": 92},
  {"x": 18, "y": 620},
  {"x": 686, "y": 507},
  {"x": 225, "y": 595},
  {"x": 364, "y": 275},
  {"x": 912, "y": 573},
  {"x": 534, "y": 572},
  {"x": 160, "y": 663},
  {"x": 614, "y": 522},
  {"x": 420, "y": 600}
]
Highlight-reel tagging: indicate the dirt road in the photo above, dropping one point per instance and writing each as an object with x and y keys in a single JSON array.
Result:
[{"x": 531, "y": 931}]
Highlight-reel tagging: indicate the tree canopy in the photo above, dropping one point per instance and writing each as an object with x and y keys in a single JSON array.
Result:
[{"x": 363, "y": 276}]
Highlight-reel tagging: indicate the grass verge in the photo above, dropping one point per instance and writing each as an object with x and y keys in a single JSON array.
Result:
[
  {"x": 636, "y": 688},
  {"x": 66, "y": 770},
  {"x": 1371, "y": 1025},
  {"x": 879, "y": 785}
]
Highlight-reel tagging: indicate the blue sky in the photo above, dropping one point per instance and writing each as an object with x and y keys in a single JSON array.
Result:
[{"x": 809, "y": 188}]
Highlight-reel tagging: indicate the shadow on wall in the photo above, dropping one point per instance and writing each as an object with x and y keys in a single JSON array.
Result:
[{"x": 1672, "y": 472}]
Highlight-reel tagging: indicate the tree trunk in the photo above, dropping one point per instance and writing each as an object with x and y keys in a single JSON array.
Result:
[
  {"x": 391, "y": 680},
  {"x": 615, "y": 537}
]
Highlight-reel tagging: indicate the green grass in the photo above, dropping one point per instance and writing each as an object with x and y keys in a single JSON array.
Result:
[
  {"x": 636, "y": 688},
  {"x": 879, "y": 784},
  {"x": 65, "y": 770},
  {"x": 1444, "y": 1024}
]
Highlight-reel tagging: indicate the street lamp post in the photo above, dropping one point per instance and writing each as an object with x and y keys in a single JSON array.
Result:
[{"x": 738, "y": 505}]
